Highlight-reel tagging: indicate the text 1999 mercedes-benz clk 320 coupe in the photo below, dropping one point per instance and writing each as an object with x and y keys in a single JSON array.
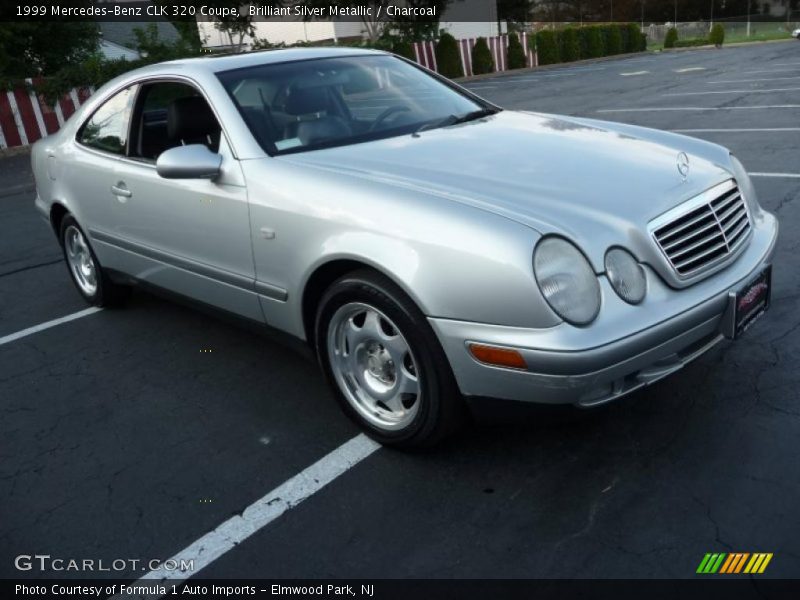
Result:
[{"x": 429, "y": 246}]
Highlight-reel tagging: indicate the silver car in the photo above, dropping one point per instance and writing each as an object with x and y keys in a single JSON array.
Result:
[{"x": 427, "y": 245}]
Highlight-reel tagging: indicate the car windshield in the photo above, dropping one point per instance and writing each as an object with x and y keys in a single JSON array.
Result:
[{"x": 311, "y": 104}]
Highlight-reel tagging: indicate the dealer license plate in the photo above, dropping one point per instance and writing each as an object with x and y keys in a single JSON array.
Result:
[{"x": 749, "y": 303}]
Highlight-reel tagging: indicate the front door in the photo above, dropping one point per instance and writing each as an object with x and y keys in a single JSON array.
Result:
[{"x": 190, "y": 236}]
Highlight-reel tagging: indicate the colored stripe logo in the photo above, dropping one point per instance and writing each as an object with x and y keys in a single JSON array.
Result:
[{"x": 734, "y": 562}]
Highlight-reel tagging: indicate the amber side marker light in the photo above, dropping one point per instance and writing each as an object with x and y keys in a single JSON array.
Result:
[{"x": 499, "y": 357}]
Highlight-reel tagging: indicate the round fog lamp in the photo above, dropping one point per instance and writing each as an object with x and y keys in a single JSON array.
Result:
[{"x": 626, "y": 275}]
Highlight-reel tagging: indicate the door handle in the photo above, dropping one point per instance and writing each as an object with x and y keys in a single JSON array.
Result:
[{"x": 120, "y": 190}]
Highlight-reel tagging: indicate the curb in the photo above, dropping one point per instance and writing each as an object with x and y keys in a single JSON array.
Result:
[
  {"x": 731, "y": 45},
  {"x": 14, "y": 151}
]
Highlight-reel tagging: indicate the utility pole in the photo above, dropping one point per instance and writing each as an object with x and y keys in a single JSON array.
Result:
[
  {"x": 748, "y": 18},
  {"x": 642, "y": 15},
  {"x": 676, "y": 13},
  {"x": 712, "y": 16}
]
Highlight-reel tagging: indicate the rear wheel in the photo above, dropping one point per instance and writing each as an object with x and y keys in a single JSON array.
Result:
[
  {"x": 88, "y": 276},
  {"x": 384, "y": 362}
]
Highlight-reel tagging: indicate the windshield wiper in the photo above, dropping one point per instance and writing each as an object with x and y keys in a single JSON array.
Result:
[{"x": 455, "y": 119}]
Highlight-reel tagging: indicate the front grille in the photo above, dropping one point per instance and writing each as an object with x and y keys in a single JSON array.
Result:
[{"x": 712, "y": 227}]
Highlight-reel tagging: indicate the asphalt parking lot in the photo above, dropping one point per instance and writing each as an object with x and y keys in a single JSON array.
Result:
[{"x": 130, "y": 434}]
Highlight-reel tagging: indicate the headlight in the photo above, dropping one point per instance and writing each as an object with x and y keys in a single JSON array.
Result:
[
  {"x": 567, "y": 281},
  {"x": 746, "y": 186},
  {"x": 626, "y": 275}
]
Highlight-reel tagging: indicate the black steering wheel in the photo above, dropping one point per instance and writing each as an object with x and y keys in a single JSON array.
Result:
[{"x": 386, "y": 113}]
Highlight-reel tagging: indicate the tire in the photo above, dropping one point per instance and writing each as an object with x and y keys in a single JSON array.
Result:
[
  {"x": 92, "y": 282},
  {"x": 384, "y": 362}
]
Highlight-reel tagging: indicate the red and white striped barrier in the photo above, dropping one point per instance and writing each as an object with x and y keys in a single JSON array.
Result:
[
  {"x": 25, "y": 116},
  {"x": 425, "y": 53}
]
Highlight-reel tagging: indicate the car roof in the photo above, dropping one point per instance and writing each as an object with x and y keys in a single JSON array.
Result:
[{"x": 228, "y": 62}]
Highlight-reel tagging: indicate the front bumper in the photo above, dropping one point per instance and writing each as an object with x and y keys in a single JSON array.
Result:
[{"x": 594, "y": 365}]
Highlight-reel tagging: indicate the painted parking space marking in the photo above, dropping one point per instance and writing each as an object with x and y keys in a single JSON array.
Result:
[
  {"x": 695, "y": 108},
  {"x": 263, "y": 511},
  {"x": 740, "y": 130},
  {"x": 768, "y": 71},
  {"x": 689, "y": 69},
  {"x": 754, "y": 80},
  {"x": 49, "y": 324},
  {"x": 635, "y": 73},
  {"x": 776, "y": 175},
  {"x": 734, "y": 92}
]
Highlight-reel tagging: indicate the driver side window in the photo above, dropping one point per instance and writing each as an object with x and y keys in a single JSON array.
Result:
[{"x": 171, "y": 114}]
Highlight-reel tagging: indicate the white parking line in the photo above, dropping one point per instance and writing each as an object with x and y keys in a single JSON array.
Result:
[
  {"x": 776, "y": 175},
  {"x": 635, "y": 73},
  {"x": 689, "y": 69},
  {"x": 263, "y": 511},
  {"x": 753, "y": 80},
  {"x": 733, "y": 92},
  {"x": 767, "y": 71},
  {"x": 690, "y": 108},
  {"x": 750, "y": 130},
  {"x": 41, "y": 327}
]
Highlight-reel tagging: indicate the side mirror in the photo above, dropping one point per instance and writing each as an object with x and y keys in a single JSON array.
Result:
[{"x": 194, "y": 161}]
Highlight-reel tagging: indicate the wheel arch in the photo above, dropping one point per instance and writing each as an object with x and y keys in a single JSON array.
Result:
[
  {"x": 329, "y": 271},
  {"x": 57, "y": 213}
]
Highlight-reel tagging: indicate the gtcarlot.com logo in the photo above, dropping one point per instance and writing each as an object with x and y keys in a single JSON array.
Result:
[
  {"x": 736, "y": 562},
  {"x": 45, "y": 562}
]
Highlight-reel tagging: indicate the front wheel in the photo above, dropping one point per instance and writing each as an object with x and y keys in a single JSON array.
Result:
[
  {"x": 88, "y": 276},
  {"x": 384, "y": 362}
]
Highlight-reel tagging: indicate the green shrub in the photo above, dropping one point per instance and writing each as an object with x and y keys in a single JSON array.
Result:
[
  {"x": 642, "y": 42},
  {"x": 671, "y": 38},
  {"x": 717, "y": 35},
  {"x": 570, "y": 45},
  {"x": 691, "y": 43},
  {"x": 613, "y": 39},
  {"x": 516, "y": 53},
  {"x": 404, "y": 48},
  {"x": 631, "y": 38},
  {"x": 593, "y": 44},
  {"x": 448, "y": 59},
  {"x": 482, "y": 61},
  {"x": 547, "y": 47}
]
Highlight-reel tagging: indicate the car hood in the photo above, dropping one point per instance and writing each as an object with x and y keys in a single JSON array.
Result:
[{"x": 594, "y": 182}]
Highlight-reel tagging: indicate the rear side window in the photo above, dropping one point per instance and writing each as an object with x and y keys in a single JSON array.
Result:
[{"x": 107, "y": 128}]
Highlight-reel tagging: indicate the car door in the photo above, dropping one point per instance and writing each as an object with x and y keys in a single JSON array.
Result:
[{"x": 190, "y": 236}]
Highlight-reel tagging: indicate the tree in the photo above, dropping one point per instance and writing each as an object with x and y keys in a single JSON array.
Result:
[
  {"x": 516, "y": 53},
  {"x": 482, "y": 61},
  {"x": 185, "y": 24},
  {"x": 515, "y": 11},
  {"x": 671, "y": 38},
  {"x": 155, "y": 49},
  {"x": 448, "y": 59},
  {"x": 31, "y": 48},
  {"x": 418, "y": 29},
  {"x": 717, "y": 35}
]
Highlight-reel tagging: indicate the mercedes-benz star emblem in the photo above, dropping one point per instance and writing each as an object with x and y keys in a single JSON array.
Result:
[{"x": 683, "y": 164}]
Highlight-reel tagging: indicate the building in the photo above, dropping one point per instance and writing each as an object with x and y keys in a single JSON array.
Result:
[{"x": 118, "y": 38}]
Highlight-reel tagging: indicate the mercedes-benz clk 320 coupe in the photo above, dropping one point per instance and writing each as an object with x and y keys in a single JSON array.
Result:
[{"x": 428, "y": 246}]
